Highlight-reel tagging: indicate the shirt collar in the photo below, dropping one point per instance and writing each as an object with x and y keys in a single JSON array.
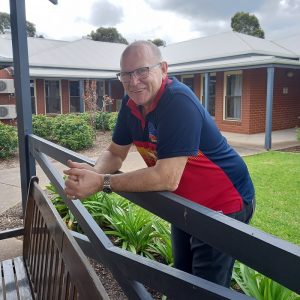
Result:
[{"x": 135, "y": 108}]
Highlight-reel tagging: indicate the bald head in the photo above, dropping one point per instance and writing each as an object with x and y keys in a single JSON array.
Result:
[{"x": 145, "y": 48}]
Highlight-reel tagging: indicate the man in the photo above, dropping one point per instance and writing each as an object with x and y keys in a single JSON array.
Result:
[{"x": 183, "y": 149}]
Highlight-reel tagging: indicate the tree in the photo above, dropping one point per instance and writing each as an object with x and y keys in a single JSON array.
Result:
[
  {"x": 109, "y": 34},
  {"x": 245, "y": 23},
  {"x": 158, "y": 42},
  {"x": 5, "y": 24}
]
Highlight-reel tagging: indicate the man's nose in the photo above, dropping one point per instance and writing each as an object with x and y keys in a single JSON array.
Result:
[{"x": 134, "y": 79}]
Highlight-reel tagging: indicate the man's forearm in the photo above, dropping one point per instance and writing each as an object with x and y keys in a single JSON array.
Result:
[
  {"x": 164, "y": 176},
  {"x": 108, "y": 163}
]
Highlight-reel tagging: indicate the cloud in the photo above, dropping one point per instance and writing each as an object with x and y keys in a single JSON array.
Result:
[
  {"x": 278, "y": 18},
  {"x": 104, "y": 13},
  {"x": 206, "y": 9}
]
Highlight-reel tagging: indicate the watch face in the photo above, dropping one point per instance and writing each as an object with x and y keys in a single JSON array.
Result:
[{"x": 107, "y": 190}]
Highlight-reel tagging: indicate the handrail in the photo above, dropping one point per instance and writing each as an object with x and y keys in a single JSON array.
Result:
[{"x": 255, "y": 248}]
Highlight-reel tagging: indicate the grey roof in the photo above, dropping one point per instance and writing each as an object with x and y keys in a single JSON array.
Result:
[
  {"x": 292, "y": 43},
  {"x": 37, "y": 72},
  {"x": 231, "y": 63},
  {"x": 5, "y": 48},
  {"x": 83, "y": 54},
  {"x": 86, "y": 58},
  {"x": 35, "y": 45},
  {"x": 222, "y": 45}
]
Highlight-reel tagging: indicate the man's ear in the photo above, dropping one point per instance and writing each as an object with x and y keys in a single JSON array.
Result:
[{"x": 164, "y": 68}]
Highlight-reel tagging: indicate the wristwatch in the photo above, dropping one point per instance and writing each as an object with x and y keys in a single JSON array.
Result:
[{"x": 106, "y": 184}]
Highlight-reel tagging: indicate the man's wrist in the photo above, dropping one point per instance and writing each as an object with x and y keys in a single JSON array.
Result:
[{"x": 106, "y": 188}]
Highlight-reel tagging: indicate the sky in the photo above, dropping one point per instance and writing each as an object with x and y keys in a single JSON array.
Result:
[{"x": 171, "y": 20}]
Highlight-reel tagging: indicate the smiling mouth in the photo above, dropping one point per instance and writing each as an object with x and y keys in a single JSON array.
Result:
[{"x": 137, "y": 91}]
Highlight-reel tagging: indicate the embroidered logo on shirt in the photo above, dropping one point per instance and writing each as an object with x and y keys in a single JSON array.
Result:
[{"x": 152, "y": 133}]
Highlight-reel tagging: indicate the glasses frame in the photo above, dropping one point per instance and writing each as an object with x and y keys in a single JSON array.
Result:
[{"x": 134, "y": 72}]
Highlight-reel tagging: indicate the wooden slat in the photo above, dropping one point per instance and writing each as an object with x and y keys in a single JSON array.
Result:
[
  {"x": 21, "y": 279},
  {"x": 35, "y": 253},
  {"x": 48, "y": 278},
  {"x": 43, "y": 252},
  {"x": 10, "y": 287},
  {"x": 1, "y": 283}
]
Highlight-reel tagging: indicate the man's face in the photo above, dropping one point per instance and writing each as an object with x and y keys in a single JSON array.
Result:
[{"x": 142, "y": 91}]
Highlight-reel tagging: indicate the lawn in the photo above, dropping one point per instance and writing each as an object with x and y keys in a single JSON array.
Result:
[{"x": 276, "y": 177}]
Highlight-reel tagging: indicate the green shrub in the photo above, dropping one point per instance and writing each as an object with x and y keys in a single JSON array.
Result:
[
  {"x": 72, "y": 132},
  {"x": 8, "y": 140},
  {"x": 42, "y": 126},
  {"x": 259, "y": 286},
  {"x": 112, "y": 120},
  {"x": 132, "y": 227},
  {"x": 102, "y": 120}
]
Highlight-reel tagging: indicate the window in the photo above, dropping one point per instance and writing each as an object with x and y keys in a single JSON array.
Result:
[
  {"x": 32, "y": 94},
  {"x": 189, "y": 81},
  {"x": 52, "y": 97},
  {"x": 212, "y": 93},
  {"x": 233, "y": 95},
  {"x": 74, "y": 90}
]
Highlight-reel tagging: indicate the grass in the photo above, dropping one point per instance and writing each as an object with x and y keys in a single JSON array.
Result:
[{"x": 276, "y": 177}]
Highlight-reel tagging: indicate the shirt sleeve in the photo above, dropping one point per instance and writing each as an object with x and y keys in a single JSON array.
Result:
[
  {"x": 179, "y": 127},
  {"x": 121, "y": 134}
]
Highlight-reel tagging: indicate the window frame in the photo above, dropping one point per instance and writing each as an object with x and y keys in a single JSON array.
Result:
[
  {"x": 70, "y": 97},
  {"x": 33, "y": 81},
  {"x": 202, "y": 84},
  {"x": 60, "y": 98},
  {"x": 238, "y": 72},
  {"x": 188, "y": 76}
]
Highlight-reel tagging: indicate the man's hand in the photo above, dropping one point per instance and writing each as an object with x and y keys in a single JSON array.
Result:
[
  {"x": 82, "y": 180},
  {"x": 71, "y": 164}
]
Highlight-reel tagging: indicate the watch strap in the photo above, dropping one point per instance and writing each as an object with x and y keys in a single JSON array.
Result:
[{"x": 106, "y": 183}]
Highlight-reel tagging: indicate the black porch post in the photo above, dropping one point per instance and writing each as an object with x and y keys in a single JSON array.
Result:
[{"x": 22, "y": 87}]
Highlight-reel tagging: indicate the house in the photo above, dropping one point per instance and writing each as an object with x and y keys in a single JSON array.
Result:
[{"x": 253, "y": 83}]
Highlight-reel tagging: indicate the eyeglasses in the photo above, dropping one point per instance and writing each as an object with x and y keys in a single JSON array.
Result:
[{"x": 140, "y": 73}]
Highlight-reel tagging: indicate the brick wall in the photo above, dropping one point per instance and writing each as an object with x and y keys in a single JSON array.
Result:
[
  {"x": 6, "y": 98},
  {"x": 257, "y": 79},
  {"x": 286, "y": 106},
  {"x": 65, "y": 98},
  {"x": 40, "y": 96}
]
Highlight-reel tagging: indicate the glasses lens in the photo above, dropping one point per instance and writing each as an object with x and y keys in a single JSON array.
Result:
[
  {"x": 142, "y": 72},
  {"x": 124, "y": 77}
]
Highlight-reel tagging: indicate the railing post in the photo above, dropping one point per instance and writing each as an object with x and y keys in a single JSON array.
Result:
[{"x": 22, "y": 87}]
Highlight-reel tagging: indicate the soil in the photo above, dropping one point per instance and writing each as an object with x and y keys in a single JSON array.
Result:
[{"x": 294, "y": 149}]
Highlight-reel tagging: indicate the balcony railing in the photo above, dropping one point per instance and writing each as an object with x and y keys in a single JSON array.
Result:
[{"x": 249, "y": 245}]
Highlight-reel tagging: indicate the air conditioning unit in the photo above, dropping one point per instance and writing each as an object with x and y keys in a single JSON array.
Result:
[
  {"x": 7, "y": 86},
  {"x": 8, "y": 112}
]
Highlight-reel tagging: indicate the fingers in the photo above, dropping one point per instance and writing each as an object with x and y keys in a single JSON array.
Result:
[
  {"x": 73, "y": 172},
  {"x": 72, "y": 164}
]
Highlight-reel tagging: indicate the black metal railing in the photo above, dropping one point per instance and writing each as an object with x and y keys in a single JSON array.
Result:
[{"x": 251, "y": 246}]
